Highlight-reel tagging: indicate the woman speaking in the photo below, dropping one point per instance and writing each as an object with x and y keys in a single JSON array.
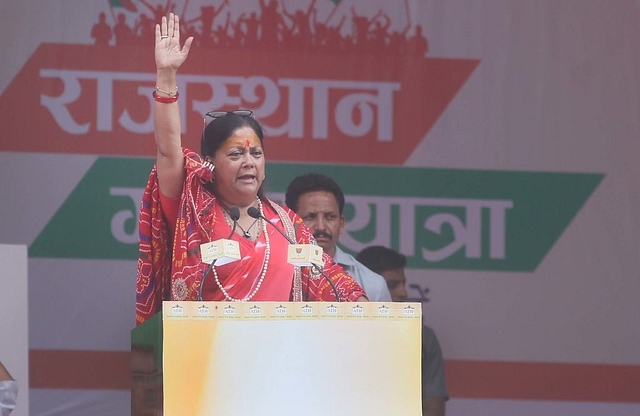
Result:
[{"x": 191, "y": 199}]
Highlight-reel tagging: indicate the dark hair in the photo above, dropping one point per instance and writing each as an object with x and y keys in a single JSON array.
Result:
[
  {"x": 380, "y": 259},
  {"x": 221, "y": 128},
  {"x": 311, "y": 182}
]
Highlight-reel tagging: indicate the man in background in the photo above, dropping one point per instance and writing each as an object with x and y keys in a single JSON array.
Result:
[
  {"x": 390, "y": 264},
  {"x": 319, "y": 201}
]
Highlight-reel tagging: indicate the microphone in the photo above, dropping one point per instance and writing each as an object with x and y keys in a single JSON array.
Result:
[
  {"x": 255, "y": 213},
  {"x": 234, "y": 213}
]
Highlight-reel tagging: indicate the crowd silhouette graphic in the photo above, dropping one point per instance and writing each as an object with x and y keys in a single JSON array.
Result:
[{"x": 272, "y": 26}]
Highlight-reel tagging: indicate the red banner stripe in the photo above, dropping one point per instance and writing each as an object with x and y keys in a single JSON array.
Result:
[
  {"x": 72, "y": 369},
  {"x": 543, "y": 381},
  {"x": 110, "y": 370}
]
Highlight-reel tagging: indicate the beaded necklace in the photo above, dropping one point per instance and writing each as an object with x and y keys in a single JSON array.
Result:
[{"x": 265, "y": 265}]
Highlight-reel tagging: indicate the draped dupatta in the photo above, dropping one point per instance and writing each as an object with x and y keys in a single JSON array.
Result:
[{"x": 170, "y": 267}]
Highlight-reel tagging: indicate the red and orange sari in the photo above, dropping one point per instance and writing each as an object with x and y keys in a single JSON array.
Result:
[{"x": 170, "y": 266}]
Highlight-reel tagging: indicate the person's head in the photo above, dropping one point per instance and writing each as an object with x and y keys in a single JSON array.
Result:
[
  {"x": 232, "y": 143},
  {"x": 390, "y": 264},
  {"x": 319, "y": 201}
]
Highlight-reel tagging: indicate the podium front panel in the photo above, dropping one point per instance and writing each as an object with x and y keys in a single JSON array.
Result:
[{"x": 292, "y": 358}]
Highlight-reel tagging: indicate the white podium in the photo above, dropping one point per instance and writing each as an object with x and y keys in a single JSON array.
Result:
[{"x": 297, "y": 358}]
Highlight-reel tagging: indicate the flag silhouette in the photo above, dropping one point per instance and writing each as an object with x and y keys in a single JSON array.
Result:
[{"x": 125, "y": 4}]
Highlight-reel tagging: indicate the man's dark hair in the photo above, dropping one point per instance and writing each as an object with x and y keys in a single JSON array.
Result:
[
  {"x": 380, "y": 259},
  {"x": 312, "y": 182}
]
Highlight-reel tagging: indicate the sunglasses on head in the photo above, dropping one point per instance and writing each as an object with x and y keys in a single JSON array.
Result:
[{"x": 220, "y": 114}]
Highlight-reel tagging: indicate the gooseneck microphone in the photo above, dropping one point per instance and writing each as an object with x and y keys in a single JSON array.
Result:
[
  {"x": 255, "y": 213},
  {"x": 234, "y": 213}
]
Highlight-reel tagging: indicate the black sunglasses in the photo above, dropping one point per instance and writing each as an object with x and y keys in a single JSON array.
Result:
[{"x": 219, "y": 114}]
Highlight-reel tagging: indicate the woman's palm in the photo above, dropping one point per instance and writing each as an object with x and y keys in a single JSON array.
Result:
[{"x": 168, "y": 52}]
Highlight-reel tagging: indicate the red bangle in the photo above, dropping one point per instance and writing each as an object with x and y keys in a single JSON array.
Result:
[{"x": 165, "y": 100}]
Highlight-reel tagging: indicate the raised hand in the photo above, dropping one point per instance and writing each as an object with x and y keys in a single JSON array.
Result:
[{"x": 169, "y": 54}]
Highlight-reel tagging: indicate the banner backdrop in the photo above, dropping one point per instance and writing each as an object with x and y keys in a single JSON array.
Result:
[{"x": 493, "y": 143}]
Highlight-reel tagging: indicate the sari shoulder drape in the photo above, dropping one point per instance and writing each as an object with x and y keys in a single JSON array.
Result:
[
  {"x": 161, "y": 255},
  {"x": 314, "y": 285},
  {"x": 170, "y": 267}
]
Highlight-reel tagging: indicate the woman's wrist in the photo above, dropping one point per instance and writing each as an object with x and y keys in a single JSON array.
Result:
[
  {"x": 166, "y": 79},
  {"x": 170, "y": 92},
  {"x": 166, "y": 89}
]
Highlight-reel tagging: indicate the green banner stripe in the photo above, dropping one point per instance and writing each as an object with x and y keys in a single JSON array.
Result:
[{"x": 457, "y": 219}]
